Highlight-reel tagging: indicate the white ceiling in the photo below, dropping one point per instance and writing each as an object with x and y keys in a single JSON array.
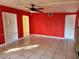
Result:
[{"x": 48, "y": 5}]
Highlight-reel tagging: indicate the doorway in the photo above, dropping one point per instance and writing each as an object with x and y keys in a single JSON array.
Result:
[
  {"x": 25, "y": 20},
  {"x": 10, "y": 27},
  {"x": 69, "y": 26}
]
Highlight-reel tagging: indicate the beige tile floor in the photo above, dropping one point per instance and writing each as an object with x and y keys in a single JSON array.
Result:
[{"x": 37, "y": 47}]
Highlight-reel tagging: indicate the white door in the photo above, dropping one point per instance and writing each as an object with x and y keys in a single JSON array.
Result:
[
  {"x": 25, "y": 25},
  {"x": 69, "y": 26},
  {"x": 10, "y": 27}
]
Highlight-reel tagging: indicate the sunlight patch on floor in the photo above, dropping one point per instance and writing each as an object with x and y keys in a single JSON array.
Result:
[
  {"x": 30, "y": 47},
  {"x": 20, "y": 48}
]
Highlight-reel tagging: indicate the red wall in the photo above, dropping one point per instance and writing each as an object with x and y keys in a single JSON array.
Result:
[
  {"x": 47, "y": 25},
  {"x": 1, "y": 30},
  {"x": 76, "y": 27},
  {"x": 19, "y": 20}
]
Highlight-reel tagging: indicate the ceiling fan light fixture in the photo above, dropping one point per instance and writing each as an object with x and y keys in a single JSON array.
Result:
[{"x": 33, "y": 11}]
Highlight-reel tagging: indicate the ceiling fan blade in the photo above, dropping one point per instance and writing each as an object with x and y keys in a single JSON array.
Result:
[
  {"x": 40, "y": 8},
  {"x": 32, "y": 8},
  {"x": 27, "y": 7},
  {"x": 39, "y": 11}
]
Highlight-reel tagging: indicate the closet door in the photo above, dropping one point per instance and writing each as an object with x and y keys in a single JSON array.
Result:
[
  {"x": 10, "y": 27},
  {"x": 25, "y": 25}
]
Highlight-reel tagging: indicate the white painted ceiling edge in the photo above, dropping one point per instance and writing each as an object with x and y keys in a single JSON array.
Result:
[{"x": 48, "y": 5}]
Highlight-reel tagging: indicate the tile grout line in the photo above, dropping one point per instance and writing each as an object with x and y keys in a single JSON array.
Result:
[
  {"x": 22, "y": 52},
  {"x": 34, "y": 51},
  {"x": 65, "y": 47},
  {"x": 46, "y": 49},
  {"x": 56, "y": 49}
]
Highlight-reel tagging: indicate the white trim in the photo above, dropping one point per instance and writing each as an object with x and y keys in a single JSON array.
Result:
[
  {"x": 48, "y": 36},
  {"x": 13, "y": 41},
  {"x": 2, "y": 45},
  {"x": 10, "y": 42},
  {"x": 33, "y": 35}
]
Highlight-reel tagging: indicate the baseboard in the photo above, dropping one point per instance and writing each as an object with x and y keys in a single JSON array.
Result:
[
  {"x": 10, "y": 42},
  {"x": 47, "y": 36},
  {"x": 34, "y": 35}
]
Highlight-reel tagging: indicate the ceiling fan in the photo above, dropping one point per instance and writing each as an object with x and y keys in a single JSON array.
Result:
[{"x": 34, "y": 9}]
